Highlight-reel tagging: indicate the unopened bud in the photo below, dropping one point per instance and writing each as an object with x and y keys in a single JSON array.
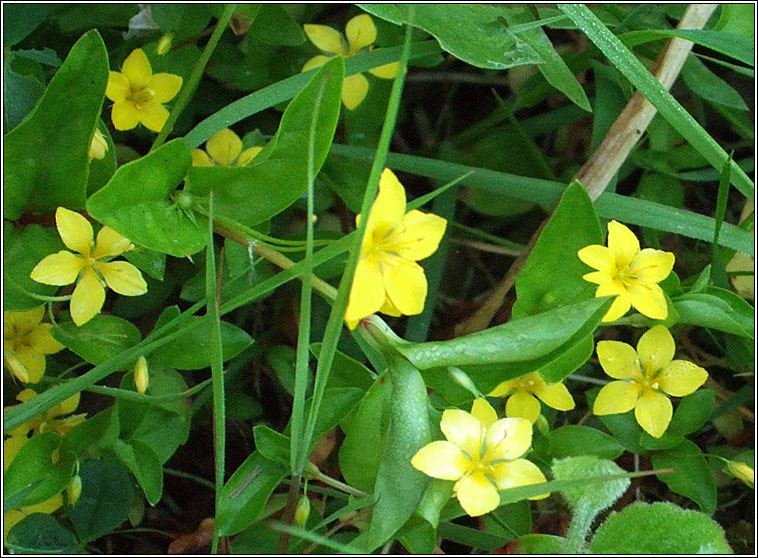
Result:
[
  {"x": 141, "y": 375},
  {"x": 98, "y": 146},
  {"x": 542, "y": 425},
  {"x": 74, "y": 489},
  {"x": 462, "y": 379},
  {"x": 14, "y": 365},
  {"x": 741, "y": 471},
  {"x": 302, "y": 510},
  {"x": 164, "y": 44}
]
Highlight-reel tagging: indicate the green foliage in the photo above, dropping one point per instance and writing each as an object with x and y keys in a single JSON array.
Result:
[
  {"x": 22, "y": 250},
  {"x": 98, "y": 340},
  {"x": 39, "y": 533},
  {"x": 691, "y": 476}
]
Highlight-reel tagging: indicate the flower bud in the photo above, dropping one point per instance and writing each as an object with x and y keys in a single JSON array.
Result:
[
  {"x": 302, "y": 510},
  {"x": 98, "y": 146},
  {"x": 74, "y": 489},
  {"x": 741, "y": 471},
  {"x": 141, "y": 375},
  {"x": 542, "y": 425},
  {"x": 15, "y": 367},
  {"x": 164, "y": 44},
  {"x": 462, "y": 379}
]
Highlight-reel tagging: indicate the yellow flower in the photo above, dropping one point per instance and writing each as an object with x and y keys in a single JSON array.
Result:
[
  {"x": 137, "y": 94},
  {"x": 632, "y": 274},
  {"x": 523, "y": 404},
  {"x": 387, "y": 278},
  {"x": 88, "y": 269},
  {"x": 482, "y": 454},
  {"x": 224, "y": 149},
  {"x": 98, "y": 146},
  {"x": 361, "y": 33},
  {"x": 28, "y": 340},
  {"x": 644, "y": 376}
]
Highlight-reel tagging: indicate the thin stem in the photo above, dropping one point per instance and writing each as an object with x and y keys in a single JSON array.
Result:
[
  {"x": 315, "y": 474},
  {"x": 189, "y": 476}
]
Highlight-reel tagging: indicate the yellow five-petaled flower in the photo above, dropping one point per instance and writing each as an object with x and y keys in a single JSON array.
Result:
[
  {"x": 89, "y": 269},
  {"x": 644, "y": 378},
  {"x": 138, "y": 94},
  {"x": 628, "y": 272},
  {"x": 387, "y": 278},
  {"x": 482, "y": 454},
  {"x": 26, "y": 341},
  {"x": 522, "y": 402},
  {"x": 361, "y": 33},
  {"x": 224, "y": 149}
]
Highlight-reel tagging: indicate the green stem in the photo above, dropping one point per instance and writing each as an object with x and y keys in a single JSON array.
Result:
[
  {"x": 315, "y": 474},
  {"x": 149, "y": 399},
  {"x": 197, "y": 73},
  {"x": 189, "y": 476}
]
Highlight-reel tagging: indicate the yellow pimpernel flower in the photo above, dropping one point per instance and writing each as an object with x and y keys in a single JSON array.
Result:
[
  {"x": 98, "y": 147},
  {"x": 644, "y": 378},
  {"x": 138, "y": 94},
  {"x": 522, "y": 402},
  {"x": 482, "y": 454},
  {"x": 361, "y": 33},
  {"x": 27, "y": 339},
  {"x": 387, "y": 278},
  {"x": 632, "y": 274},
  {"x": 224, "y": 149},
  {"x": 89, "y": 269}
]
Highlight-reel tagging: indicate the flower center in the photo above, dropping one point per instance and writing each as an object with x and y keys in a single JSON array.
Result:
[
  {"x": 142, "y": 96},
  {"x": 626, "y": 277}
]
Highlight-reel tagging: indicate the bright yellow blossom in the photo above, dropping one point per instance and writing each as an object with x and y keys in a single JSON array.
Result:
[
  {"x": 387, "y": 278},
  {"x": 28, "y": 340},
  {"x": 644, "y": 377},
  {"x": 224, "y": 149},
  {"x": 482, "y": 454},
  {"x": 137, "y": 94},
  {"x": 632, "y": 274},
  {"x": 361, "y": 33},
  {"x": 98, "y": 146},
  {"x": 522, "y": 402},
  {"x": 89, "y": 269}
]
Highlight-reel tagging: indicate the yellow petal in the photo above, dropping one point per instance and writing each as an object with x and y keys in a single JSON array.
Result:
[
  {"x": 618, "y": 359},
  {"x": 648, "y": 300},
  {"x": 620, "y": 306},
  {"x": 122, "y": 277},
  {"x": 598, "y": 257},
  {"x": 387, "y": 211},
  {"x": 597, "y": 277},
  {"x": 476, "y": 494},
  {"x": 124, "y": 115},
  {"x": 110, "y": 243},
  {"x": 656, "y": 349},
  {"x": 24, "y": 321},
  {"x": 616, "y": 397},
  {"x": 519, "y": 472},
  {"x": 360, "y": 32},
  {"x": 40, "y": 339},
  {"x": 48, "y": 506},
  {"x": 441, "y": 460},
  {"x": 248, "y": 155},
  {"x": 681, "y": 377},
  {"x": 58, "y": 269},
  {"x": 118, "y": 88},
  {"x": 325, "y": 38},
  {"x": 87, "y": 298},
  {"x": 556, "y": 396},
  {"x": 315, "y": 62},
  {"x": 389, "y": 308},
  {"x": 165, "y": 86},
  {"x": 622, "y": 243},
  {"x": 224, "y": 147},
  {"x": 354, "y": 89},
  {"x": 502, "y": 389},
  {"x": 10, "y": 448},
  {"x": 507, "y": 439},
  {"x": 405, "y": 283},
  {"x": 200, "y": 158},
  {"x": 524, "y": 405},
  {"x": 464, "y": 430},
  {"x": 388, "y": 71},
  {"x": 153, "y": 116},
  {"x": 417, "y": 236},
  {"x": 652, "y": 266},
  {"x": 65, "y": 407},
  {"x": 653, "y": 412},
  {"x": 482, "y": 410},
  {"x": 137, "y": 69},
  {"x": 367, "y": 292},
  {"x": 33, "y": 361},
  {"x": 75, "y": 230}
]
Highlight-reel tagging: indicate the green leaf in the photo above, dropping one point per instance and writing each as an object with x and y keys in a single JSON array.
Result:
[
  {"x": 22, "y": 250},
  {"x": 193, "y": 352},
  {"x": 151, "y": 262},
  {"x": 569, "y": 360},
  {"x": 46, "y": 157},
  {"x": 104, "y": 502},
  {"x": 271, "y": 444},
  {"x": 32, "y": 470},
  {"x": 98, "y": 431},
  {"x": 692, "y": 477},
  {"x": 19, "y": 20},
  {"x": 735, "y": 46},
  {"x": 40, "y": 533},
  {"x": 718, "y": 309},
  {"x": 136, "y": 203},
  {"x": 246, "y": 492},
  {"x": 552, "y": 275},
  {"x": 181, "y": 20},
  {"x": 704, "y": 83},
  {"x": 539, "y": 544},
  {"x": 418, "y": 537},
  {"x": 573, "y": 441},
  {"x": 100, "y": 339},
  {"x": 738, "y": 19},
  {"x": 275, "y": 26},
  {"x": 437, "y": 494},
  {"x": 661, "y": 528},
  {"x": 278, "y": 176},
  {"x": 555, "y": 70},
  {"x": 692, "y": 413},
  {"x": 346, "y": 371},
  {"x": 144, "y": 464},
  {"x": 593, "y": 497},
  {"x": 20, "y": 94},
  {"x": 471, "y": 32}
]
